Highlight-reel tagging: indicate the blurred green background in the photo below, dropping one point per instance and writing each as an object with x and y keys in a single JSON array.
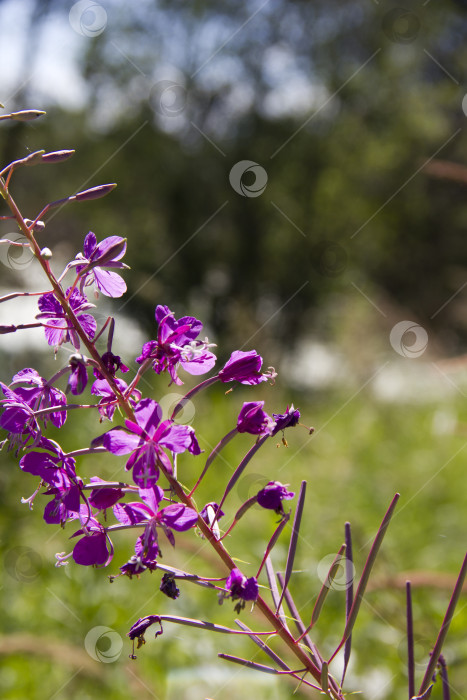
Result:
[{"x": 349, "y": 220}]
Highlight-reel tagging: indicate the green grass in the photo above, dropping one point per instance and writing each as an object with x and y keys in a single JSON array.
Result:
[{"x": 361, "y": 453}]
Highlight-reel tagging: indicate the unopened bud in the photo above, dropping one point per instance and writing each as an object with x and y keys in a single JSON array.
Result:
[
  {"x": 38, "y": 226},
  {"x": 7, "y": 329},
  {"x": 57, "y": 156},
  {"x": 94, "y": 192},
  {"x": 26, "y": 115},
  {"x": 46, "y": 253},
  {"x": 32, "y": 158}
]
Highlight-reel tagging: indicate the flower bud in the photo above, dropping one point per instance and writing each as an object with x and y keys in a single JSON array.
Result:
[
  {"x": 94, "y": 192},
  {"x": 57, "y": 156},
  {"x": 26, "y": 115}
]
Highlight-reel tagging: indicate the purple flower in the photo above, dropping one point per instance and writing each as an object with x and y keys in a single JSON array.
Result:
[
  {"x": 272, "y": 495},
  {"x": 176, "y": 345},
  {"x": 57, "y": 326},
  {"x": 286, "y": 420},
  {"x": 95, "y": 548},
  {"x": 244, "y": 367},
  {"x": 241, "y": 588},
  {"x": 66, "y": 502},
  {"x": 174, "y": 517},
  {"x": 138, "y": 630},
  {"x": 78, "y": 378},
  {"x": 107, "y": 253},
  {"x": 38, "y": 394},
  {"x": 210, "y": 511},
  {"x": 113, "y": 363},
  {"x": 51, "y": 465},
  {"x": 102, "y": 498},
  {"x": 252, "y": 419},
  {"x": 109, "y": 401},
  {"x": 168, "y": 586},
  {"x": 146, "y": 440}
]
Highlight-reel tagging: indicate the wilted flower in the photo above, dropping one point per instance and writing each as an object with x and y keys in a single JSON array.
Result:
[
  {"x": 272, "y": 495},
  {"x": 58, "y": 328}
]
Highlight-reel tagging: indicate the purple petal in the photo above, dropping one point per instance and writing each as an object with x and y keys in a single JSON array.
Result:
[
  {"x": 178, "y": 517},
  {"x": 91, "y": 550},
  {"x": 90, "y": 243},
  {"x": 120, "y": 442},
  {"x": 109, "y": 283},
  {"x": 200, "y": 365}
]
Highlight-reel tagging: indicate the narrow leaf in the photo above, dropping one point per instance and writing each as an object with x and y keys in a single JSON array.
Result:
[
  {"x": 294, "y": 538},
  {"x": 248, "y": 664},
  {"x": 262, "y": 645},
  {"x": 275, "y": 591},
  {"x": 272, "y": 541},
  {"x": 327, "y": 585},
  {"x": 444, "y": 627},
  {"x": 241, "y": 467},
  {"x": 410, "y": 641},
  {"x": 366, "y": 574},
  {"x": 313, "y": 651}
]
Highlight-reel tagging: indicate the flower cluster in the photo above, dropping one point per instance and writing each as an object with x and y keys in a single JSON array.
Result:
[{"x": 152, "y": 495}]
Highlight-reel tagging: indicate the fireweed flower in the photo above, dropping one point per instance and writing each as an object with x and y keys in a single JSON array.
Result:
[
  {"x": 241, "y": 588},
  {"x": 113, "y": 363},
  {"x": 98, "y": 256},
  {"x": 176, "y": 345},
  {"x": 95, "y": 548},
  {"x": 244, "y": 367},
  {"x": 66, "y": 502},
  {"x": 57, "y": 327},
  {"x": 252, "y": 419},
  {"x": 272, "y": 495},
  {"x": 38, "y": 394},
  {"x": 78, "y": 378},
  {"x": 146, "y": 440},
  {"x": 174, "y": 517},
  {"x": 102, "y": 498},
  {"x": 109, "y": 401},
  {"x": 289, "y": 419}
]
